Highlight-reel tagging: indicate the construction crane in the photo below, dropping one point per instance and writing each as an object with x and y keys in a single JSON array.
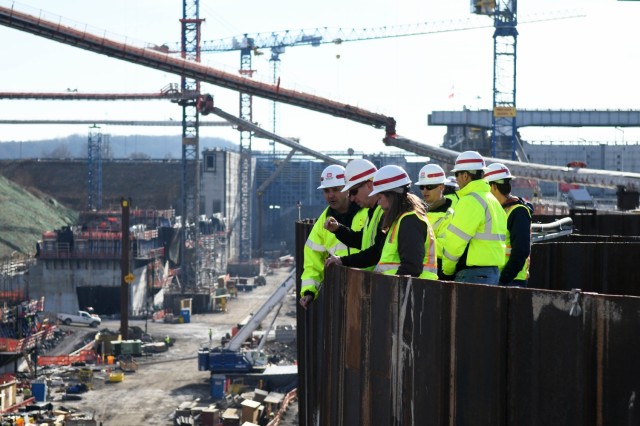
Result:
[
  {"x": 505, "y": 19},
  {"x": 277, "y": 41},
  {"x": 190, "y": 90}
]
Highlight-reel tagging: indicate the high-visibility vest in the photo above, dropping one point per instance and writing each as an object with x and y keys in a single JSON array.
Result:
[
  {"x": 524, "y": 272},
  {"x": 390, "y": 258},
  {"x": 320, "y": 244},
  {"x": 439, "y": 223},
  {"x": 370, "y": 231},
  {"x": 454, "y": 199},
  {"x": 479, "y": 223}
]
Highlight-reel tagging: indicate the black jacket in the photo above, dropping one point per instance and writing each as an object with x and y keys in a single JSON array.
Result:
[{"x": 519, "y": 227}]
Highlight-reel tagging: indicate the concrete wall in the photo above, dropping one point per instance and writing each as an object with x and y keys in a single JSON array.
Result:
[{"x": 59, "y": 281}]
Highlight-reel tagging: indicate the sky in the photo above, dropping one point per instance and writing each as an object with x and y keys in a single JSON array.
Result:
[{"x": 581, "y": 63}]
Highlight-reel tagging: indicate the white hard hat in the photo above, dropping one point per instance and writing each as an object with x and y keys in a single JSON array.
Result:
[
  {"x": 497, "y": 171},
  {"x": 358, "y": 170},
  {"x": 469, "y": 160},
  {"x": 389, "y": 178},
  {"x": 431, "y": 174},
  {"x": 332, "y": 176},
  {"x": 451, "y": 181}
]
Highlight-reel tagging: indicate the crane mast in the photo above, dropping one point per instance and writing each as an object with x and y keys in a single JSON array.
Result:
[
  {"x": 244, "y": 171},
  {"x": 505, "y": 37},
  {"x": 190, "y": 88}
]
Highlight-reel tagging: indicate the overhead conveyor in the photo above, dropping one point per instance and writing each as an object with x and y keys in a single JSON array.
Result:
[{"x": 151, "y": 58}]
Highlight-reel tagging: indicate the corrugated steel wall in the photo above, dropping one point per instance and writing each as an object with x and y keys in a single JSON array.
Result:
[{"x": 386, "y": 350}]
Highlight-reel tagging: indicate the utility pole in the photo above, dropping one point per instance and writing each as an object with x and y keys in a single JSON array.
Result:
[{"x": 126, "y": 276}]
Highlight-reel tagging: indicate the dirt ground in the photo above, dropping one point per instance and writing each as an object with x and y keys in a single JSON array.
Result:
[{"x": 165, "y": 380}]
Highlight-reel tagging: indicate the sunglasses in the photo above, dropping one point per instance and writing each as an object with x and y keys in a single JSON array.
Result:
[
  {"x": 428, "y": 187},
  {"x": 354, "y": 191}
]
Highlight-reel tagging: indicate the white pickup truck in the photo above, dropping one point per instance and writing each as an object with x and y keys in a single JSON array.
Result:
[{"x": 82, "y": 317}]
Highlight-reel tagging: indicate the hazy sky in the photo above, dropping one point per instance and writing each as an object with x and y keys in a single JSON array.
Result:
[{"x": 582, "y": 63}]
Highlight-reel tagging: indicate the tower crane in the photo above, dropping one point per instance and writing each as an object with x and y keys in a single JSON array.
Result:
[
  {"x": 505, "y": 19},
  {"x": 190, "y": 89}
]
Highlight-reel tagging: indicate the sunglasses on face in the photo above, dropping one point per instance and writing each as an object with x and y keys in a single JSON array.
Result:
[
  {"x": 354, "y": 191},
  {"x": 428, "y": 187}
]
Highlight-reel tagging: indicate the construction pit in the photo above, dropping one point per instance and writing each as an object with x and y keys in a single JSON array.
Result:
[{"x": 166, "y": 387}]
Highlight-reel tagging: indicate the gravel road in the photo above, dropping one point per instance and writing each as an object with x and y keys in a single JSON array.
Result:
[{"x": 164, "y": 381}]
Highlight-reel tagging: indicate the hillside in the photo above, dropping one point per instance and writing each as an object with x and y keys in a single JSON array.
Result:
[
  {"x": 149, "y": 184},
  {"x": 24, "y": 216}
]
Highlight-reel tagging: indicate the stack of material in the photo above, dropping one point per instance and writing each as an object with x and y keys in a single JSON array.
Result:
[{"x": 250, "y": 411}]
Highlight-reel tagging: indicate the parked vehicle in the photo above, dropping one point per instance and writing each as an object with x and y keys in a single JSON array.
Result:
[{"x": 82, "y": 317}]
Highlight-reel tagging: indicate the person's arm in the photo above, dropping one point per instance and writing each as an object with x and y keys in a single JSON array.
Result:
[
  {"x": 348, "y": 236},
  {"x": 465, "y": 221},
  {"x": 314, "y": 255},
  {"x": 367, "y": 257},
  {"x": 519, "y": 225},
  {"x": 411, "y": 237}
]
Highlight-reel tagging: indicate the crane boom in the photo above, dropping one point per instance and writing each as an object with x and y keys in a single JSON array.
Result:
[{"x": 333, "y": 35}]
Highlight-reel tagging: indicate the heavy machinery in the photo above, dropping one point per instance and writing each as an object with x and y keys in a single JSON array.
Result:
[{"x": 233, "y": 358}]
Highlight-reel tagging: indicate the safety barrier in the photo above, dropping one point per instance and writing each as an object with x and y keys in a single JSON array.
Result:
[
  {"x": 83, "y": 356},
  {"x": 376, "y": 349}
]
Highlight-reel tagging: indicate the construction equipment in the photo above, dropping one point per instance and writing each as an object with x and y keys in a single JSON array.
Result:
[
  {"x": 233, "y": 358},
  {"x": 549, "y": 231}
]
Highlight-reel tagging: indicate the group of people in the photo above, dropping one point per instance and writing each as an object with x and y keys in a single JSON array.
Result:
[{"x": 465, "y": 228}]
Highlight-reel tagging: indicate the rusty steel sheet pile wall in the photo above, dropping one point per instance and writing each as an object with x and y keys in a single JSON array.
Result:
[
  {"x": 592, "y": 263},
  {"x": 590, "y": 223},
  {"x": 387, "y": 350}
]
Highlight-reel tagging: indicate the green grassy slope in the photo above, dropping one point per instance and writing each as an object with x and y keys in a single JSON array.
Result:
[{"x": 24, "y": 216}]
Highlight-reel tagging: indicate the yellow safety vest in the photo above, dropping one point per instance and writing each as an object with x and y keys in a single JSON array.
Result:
[
  {"x": 439, "y": 222},
  {"x": 390, "y": 258},
  {"x": 370, "y": 231},
  {"x": 480, "y": 223},
  {"x": 454, "y": 199},
  {"x": 524, "y": 272},
  {"x": 320, "y": 244}
]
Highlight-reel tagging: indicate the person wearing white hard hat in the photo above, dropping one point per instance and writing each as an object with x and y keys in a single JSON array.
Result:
[
  {"x": 450, "y": 188},
  {"x": 410, "y": 246},
  {"x": 431, "y": 181},
  {"x": 359, "y": 184},
  {"x": 474, "y": 243},
  {"x": 515, "y": 271},
  {"x": 322, "y": 243}
]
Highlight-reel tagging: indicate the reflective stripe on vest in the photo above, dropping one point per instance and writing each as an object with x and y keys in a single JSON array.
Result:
[
  {"x": 319, "y": 245},
  {"x": 370, "y": 229},
  {"x": 390, "y": 258}
]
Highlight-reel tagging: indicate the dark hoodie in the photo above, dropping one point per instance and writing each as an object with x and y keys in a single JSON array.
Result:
[{"x": 519, "y": 228}]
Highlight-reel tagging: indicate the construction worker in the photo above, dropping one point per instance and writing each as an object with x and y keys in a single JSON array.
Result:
[
  {"x": 515, "y": 271},
  {"x": 322, "y": 243},
  {"x": 431, "y": 181},
  {"x": 474, "y": 243},
  {"x": 359, "y": 184},
  {"x": 410, "y": 247},
  {"x": 450, "y": 188}
]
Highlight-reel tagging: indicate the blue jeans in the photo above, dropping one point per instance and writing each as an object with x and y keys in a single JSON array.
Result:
[{"x": 484, "y": 275}]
